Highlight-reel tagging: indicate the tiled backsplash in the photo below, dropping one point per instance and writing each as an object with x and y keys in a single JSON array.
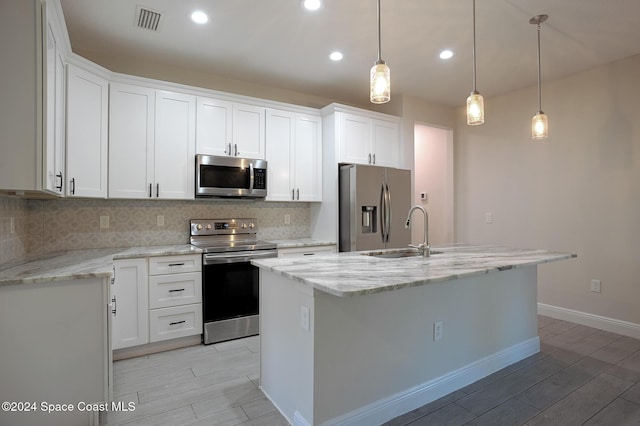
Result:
[
  {"x": 50, "y": 225},
  {"x": 14, "y": 220}
]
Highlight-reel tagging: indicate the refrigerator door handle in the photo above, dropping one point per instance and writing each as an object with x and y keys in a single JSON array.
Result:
[
  {"x": 383, "y": 213},
  {"x": 387, "y": 213}
]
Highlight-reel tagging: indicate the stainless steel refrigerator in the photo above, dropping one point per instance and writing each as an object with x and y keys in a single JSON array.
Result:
[{"x": 373, "y": 206}]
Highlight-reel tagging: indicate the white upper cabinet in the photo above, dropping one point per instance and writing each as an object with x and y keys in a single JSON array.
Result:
[
  {"x": 364, "y": 139},
  {"x": 294, "y": 155},
  {"x": 54, "y": 143},
  {"x": 307, "y": 160},
  {"x": 174, "y": 147},
  {"x": 385, "y": 142},
  {"x": 32, "y": 133},
  {"x": 131, "y": 137},
  {"x": 151, "y": 143},
  {"x": 354, "y": 138},
  {"x": 230, "y": 129},
  {"x": 87, "y": 121}
]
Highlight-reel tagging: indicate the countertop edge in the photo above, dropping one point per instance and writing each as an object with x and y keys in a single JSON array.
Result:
[{"x": 549, "y": 257}]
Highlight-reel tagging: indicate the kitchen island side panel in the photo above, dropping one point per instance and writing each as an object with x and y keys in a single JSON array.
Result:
[
  {"x": 363, "y": 357},
  {"x": 286, "y": 348}
]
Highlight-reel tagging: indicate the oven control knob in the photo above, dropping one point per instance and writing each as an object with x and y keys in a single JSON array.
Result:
[
  {"x": 243, "y": 226},
  {"x": 208, "y": 226},
  {"x": 252, "y": 225},
  {"x": 199, "y": 227}
]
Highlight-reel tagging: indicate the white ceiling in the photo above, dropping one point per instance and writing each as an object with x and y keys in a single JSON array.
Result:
[{"x": 277, "y": 43}]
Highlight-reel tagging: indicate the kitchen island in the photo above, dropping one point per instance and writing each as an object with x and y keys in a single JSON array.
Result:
[{"x": 354, "y": 338}]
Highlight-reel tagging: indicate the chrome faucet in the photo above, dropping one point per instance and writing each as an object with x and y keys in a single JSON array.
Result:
[{"x": 424, "y": 246}]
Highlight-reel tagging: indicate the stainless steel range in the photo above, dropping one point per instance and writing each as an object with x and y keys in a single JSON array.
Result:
[{"x": 230, "y": 284}]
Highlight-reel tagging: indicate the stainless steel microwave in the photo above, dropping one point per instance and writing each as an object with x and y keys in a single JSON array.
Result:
[{"x": 218, "y": 176}]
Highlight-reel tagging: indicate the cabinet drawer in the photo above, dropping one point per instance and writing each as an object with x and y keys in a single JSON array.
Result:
[
  {"x": 175, "y": 264},
  {"x": 175, "y": 289},
  {"x": 178, "y": 321}
]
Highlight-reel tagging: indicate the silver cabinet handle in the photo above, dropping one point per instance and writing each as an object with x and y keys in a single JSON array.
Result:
[
  {"x": 236, "y": 149},
  {"x": 369, "y": 158},
  {"x": 115, "y": 308},
  {"x": 174, "y": 290},
  {"x": 73, "y": 186},
  {"x": 228, "y": 150},
  {"x": 157, "y": 190},
  {"x": 298, "y": 194},
  {"x": 149, "y": 190},
  {"x": 176, "y": 264},
  {"x": 177, "y": 322},
  {"x": 374, "y": 159}
]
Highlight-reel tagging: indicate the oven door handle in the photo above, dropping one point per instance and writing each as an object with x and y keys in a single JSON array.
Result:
[{"x": 210, "y": 259}]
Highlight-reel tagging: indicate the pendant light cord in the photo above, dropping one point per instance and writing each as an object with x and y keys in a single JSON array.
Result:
[
  {"x": 539, "y": 73},
  {"x": 474, "y": 46},
  {"x": 379, "y": 37}
]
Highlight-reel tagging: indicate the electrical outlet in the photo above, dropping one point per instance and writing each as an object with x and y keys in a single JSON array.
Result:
[
  {"x": 304, "y": 317},
  {"x": 595, "y": 286},
  {"x": 423, "y": 196},
  {"x": 287, "y": 219},
  {"x": 160, "y": 220},
  {"x": 104, "y": 222},
  {"x": 488, "y": 217},
  {"x": 437, "y": 330}
]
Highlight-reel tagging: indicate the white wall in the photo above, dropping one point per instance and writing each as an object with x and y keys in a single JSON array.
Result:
[
  {"x": 577, "y": 191},
  {"x": 433, "y": 174}
]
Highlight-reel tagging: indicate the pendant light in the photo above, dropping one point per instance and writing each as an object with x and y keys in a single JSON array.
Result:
[
  {"x": 475, "y": 102},
  {"x": 540, "y": 121},
  {"x": 380, "y": 80}
]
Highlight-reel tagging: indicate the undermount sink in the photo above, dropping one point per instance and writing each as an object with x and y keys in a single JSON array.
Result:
[{"x": 395, "y": 254}]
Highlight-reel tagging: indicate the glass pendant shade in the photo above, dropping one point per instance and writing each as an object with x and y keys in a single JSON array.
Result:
[
  {"x": 540, "y": 126},
  {"x": 380, "y": 89},
  {"x": 475, "y": 109}
]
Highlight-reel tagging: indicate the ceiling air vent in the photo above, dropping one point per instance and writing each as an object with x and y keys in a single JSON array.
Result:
[{"x": 148, "y": 19}]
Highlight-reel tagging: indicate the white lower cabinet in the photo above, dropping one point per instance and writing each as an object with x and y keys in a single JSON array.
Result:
[
  {"x": 156, "y": 298},
  {"x": 129, "y": 297},
  {"x": 175, "y": 297}
]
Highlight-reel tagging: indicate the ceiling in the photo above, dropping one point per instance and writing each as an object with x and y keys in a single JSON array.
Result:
[{"x": 278, "y": 43}]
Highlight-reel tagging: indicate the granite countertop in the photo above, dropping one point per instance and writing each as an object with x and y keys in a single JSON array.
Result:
[
  {"x": 352, "y": 274},
  {"x": 301, "y": 242},
  {"x": 79, "y": 264}
]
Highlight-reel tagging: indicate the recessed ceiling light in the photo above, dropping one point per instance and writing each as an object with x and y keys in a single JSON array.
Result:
[
  {"x": 199, "y": 17},
  {"x": 446, "y": 54},
  {"x": 312, "y": 4},
  {"x": 336, "y": 56}
]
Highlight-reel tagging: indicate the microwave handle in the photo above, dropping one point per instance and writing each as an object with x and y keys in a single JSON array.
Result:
[{"x": 251, "y": 177}]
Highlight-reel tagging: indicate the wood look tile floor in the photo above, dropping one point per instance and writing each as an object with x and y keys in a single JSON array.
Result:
[{"x": 582, "y": 376}]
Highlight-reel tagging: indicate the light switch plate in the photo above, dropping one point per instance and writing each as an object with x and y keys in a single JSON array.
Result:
[
  {"x": 160, "y": 220},
  {"x": 104, "y": 222}
]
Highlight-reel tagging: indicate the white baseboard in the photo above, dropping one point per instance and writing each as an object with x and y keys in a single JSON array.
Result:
[
  {"x": 596, "y": 321},
  {"x": 403, "y": 402}
]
